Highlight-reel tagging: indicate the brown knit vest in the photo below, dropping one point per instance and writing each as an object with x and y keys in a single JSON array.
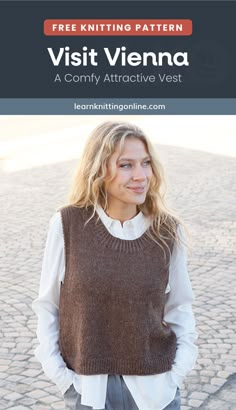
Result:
[{"x": 112, "y": 301}]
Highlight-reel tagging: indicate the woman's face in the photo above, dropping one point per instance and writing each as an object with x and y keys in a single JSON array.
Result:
[{"x": 133, "y": 173}]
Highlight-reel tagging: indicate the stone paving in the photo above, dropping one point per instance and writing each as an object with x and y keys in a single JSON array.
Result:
[{"x": 203, "y": 192}]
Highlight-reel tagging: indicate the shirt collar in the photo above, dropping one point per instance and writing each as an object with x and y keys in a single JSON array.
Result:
[{"x": 108, "y": 221}]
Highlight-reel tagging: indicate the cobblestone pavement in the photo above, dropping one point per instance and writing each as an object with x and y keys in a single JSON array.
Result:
[
  {"x": 203, "y": 191},
  {"x": 224, "y": 398}
]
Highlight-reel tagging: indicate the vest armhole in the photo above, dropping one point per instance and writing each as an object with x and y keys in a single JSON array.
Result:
[{"x": 65, "y": 230}]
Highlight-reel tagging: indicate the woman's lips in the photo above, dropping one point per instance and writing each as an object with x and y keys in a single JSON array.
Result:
[{"x": 138, "y": 190}]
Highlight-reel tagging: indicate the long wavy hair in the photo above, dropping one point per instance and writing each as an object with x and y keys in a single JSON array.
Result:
[{"x": 88, "y": 186}]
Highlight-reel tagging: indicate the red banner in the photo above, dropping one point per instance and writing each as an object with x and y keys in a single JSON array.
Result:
[{"x": 111, "y": 27}]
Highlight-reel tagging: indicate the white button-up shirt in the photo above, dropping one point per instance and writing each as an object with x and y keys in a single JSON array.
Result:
[{"x": 151, "y": 392}]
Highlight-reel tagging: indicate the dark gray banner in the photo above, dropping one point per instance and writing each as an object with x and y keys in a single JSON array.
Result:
[{"x": 38, "y": 64}]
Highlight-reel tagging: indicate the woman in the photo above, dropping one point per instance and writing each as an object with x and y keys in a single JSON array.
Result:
[{"x": 115, "y": 323}]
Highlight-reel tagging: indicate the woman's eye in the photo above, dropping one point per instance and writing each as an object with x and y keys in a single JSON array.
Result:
[
  {"x": 125, "y": 165},
  {"x": 146, "y": 163}
]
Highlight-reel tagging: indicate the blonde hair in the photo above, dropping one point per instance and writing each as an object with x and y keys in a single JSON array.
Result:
[{"x": 88, "y": 187}]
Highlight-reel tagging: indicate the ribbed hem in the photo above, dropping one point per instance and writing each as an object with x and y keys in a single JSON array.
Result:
[{"x": 124, "y": 367}]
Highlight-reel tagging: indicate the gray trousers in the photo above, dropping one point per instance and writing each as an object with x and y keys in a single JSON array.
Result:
[{"x": 118, "y": 397}]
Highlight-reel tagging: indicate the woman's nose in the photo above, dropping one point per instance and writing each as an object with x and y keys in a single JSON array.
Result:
[{"x": 139, "y": 174}]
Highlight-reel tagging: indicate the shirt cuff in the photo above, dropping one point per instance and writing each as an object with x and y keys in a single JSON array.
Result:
[
  {"x": 61, "y": 376},
  {"x": 176, "y": 378}
]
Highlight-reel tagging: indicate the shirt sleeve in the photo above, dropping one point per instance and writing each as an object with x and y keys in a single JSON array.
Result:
[
  {"x": 179, "y": 315},
  {"x": 46, "y": 307}
]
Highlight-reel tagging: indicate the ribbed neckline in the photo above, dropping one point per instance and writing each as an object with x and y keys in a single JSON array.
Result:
[{"x": 107, "y": 240}]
